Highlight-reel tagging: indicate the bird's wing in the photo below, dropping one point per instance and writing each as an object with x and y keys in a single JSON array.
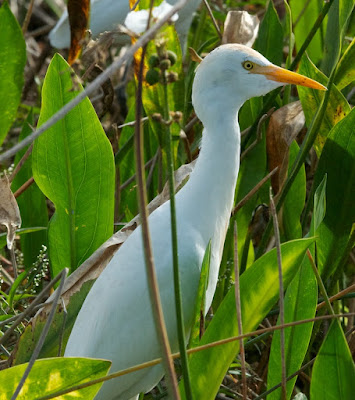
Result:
[{"x": 116, "y": 320}]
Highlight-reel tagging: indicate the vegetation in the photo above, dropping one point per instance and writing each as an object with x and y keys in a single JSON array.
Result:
[{"x": 77, "y": 186}]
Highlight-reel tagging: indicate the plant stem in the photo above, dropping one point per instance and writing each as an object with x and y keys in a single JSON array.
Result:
[
  {"x": 281, "y": 302},
  {"x": 239, "y": 313},
  {"x": 320, "y": 283},
  {"x": 174, "y": 240},
  {"x": 147, "y": 244}
]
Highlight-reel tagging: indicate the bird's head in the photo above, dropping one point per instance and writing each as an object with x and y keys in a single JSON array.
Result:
[{"x": 232, "y": 74}]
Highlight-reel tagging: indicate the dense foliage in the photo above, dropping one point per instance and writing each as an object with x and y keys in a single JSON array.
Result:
[{"x": 78, "y": 186}]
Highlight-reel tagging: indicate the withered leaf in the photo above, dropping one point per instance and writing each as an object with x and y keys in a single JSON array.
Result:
[
  {"x": 9, "y": 211},
  {"x": 284, "y": 126},
  {"x": 240, "y": 27},
  {"x": 78, "y": 12}
]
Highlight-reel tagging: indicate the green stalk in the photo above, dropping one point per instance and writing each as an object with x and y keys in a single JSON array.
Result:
[
  {"x": 147, "y": 243},
  {"x": 177, "y": 287},
  {"x": 320, "y": 284}
]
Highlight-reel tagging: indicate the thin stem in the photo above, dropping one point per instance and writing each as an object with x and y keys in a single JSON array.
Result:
[
  {"x": 24, "y": 187},
  {"x": 239, "y": 313},
  {"x": 26, "y": 22},
  {"x": 147, "y": 244},
  {"x": 320, "y": 283},
  {"x": 190, "y": 351},
  {"x": 43, "y": 336},
  {"x": 281, "y": 285},
  {"x": 213, "y": 18},
  {"x": 174, "y": 240},
  {"x": 247, "y": 197},
  {"x": 20, "y": 163}
]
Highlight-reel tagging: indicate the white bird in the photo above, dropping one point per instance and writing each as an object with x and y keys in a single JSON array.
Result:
[
  {"x": 116, "y": 321},
  {"x": 106, "y": 15}
]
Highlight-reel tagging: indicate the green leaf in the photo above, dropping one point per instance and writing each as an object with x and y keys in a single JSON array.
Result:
[
  {"x": 338, "y": 17},
  {"x": 53, "y": 374},
  {"x": 333, "y": 375},
  {"x": 304, "y": 16},
  {"x": 12, "y": 64},
  {"x": 345, "y": 73},
  {"x": 20, "y": 232},
  {"x": 337, "y": 107},
  {"x": 270, "y": 41},
  {"x": 301, "y": 296},
  {"x": 300, "y": 303},
  {"x": 14, "y": 287},
  {"x": 319, "y": 206},
  {"x": 259, "y": 291},
  {"x": 73, "y": 166},
  {"x": 32, "y": 204},
  {"x": 294, "y": 201},
  {"x": 338, "y": 162},
  {"x": 200, "y": 299}
]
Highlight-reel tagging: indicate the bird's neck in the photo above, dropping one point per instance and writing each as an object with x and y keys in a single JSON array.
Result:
[{"x": 209, "y": 194}]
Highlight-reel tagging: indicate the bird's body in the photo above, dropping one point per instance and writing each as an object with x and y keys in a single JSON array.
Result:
[
  {"x": 116, "y": 321},
  {"x": 106, "y": 15}
]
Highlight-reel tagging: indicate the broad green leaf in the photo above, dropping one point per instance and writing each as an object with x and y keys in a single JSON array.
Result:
[
  {"x": 337, "y": 107},
  {"x": 345, "y": 73},
  {"x": 294, "y": 201},
  {"x": 12, "y": 64},
  {"x": 270, "y": 41},
  {"x": 304, "y": 15},
  {"x": 338, "y": 17},
  {"x": 33, "y": 330},
  {"x": 20, "y": 232},
  {"x": 259, "y": 290},
  {"x": 300, "y": 303},
  {"x": 333, "y": 375},
  {"x": 73, "y": 166},
  {"x": 338, "y": 162},
  {"x": 32, "y": 204},
  {"x": 53, "y": 374}
]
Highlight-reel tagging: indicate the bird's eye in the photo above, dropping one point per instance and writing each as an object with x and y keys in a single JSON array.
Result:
[{"x": 248, "y": 65}]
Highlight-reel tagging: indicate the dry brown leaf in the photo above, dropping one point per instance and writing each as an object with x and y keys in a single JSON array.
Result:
[
  {"x": 95, "y": 264},
  {"x": 194, "y": 56},
  {"x": 9, "y": 211},
  {"x": 284, "y": 126},
  {"x": 240, "y": 27},
  {"x": 78, "y": 12}
]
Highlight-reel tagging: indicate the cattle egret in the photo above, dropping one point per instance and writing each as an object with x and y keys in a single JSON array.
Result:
[
  {"x": 106, "y": 15},
  {"x": 116, "y": 321}
]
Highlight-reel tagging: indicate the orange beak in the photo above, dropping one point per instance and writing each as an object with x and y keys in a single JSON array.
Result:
[{"x": 282, "y": 75}]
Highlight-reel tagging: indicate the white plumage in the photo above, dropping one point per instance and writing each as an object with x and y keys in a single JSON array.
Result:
[
  {"x": 106, "y": 15},
  {"x": 116, "y": 321}
]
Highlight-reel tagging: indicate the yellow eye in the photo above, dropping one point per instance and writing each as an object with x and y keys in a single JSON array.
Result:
[{"x": 248, "y": 65}]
